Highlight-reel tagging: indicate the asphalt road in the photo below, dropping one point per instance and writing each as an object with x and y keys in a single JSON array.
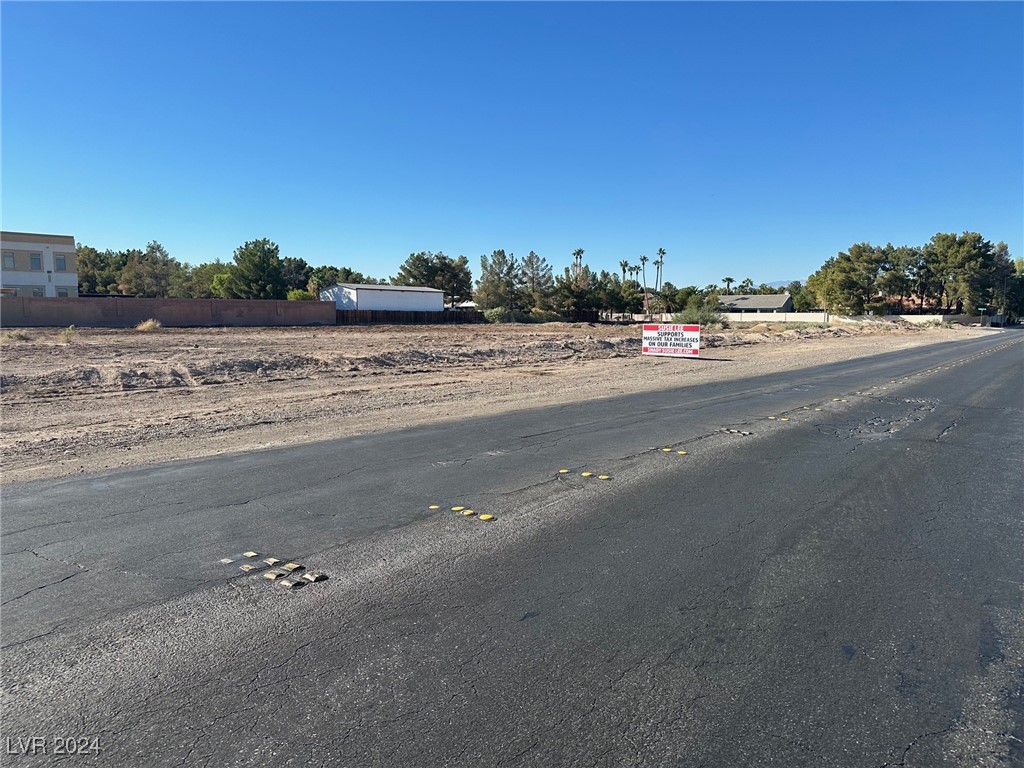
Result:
[{"x": 840, "y": 587}]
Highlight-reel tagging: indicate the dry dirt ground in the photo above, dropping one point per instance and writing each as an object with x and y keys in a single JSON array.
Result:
[{"x": 101, "y": 398}]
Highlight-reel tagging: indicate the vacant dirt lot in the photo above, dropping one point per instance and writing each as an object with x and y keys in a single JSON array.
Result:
[{"x": 99, "y": 399}]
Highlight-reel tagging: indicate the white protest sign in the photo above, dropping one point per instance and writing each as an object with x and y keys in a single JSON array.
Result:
[{"x": 671, "y": 340}]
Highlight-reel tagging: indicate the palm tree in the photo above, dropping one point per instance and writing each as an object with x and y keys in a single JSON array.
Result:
[
  {"x": 643, "y": 267},
  {"x": 578, "y": 260},
  {"x": 661, "y": 267},
  {"x": 747, "y": 286},
  {"x": 728, "y": 284},
  {"x": 624, "y": 265}
]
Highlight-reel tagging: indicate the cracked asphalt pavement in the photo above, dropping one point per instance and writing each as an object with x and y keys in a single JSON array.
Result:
[{"x": 841, "y": 587}]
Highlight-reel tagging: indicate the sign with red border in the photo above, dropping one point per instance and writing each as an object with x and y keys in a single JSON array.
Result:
[{"x": 671, "y": 340}]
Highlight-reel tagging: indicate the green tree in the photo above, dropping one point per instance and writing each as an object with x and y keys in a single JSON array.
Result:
[
  {"x": 896, "y": 278},
  {"x": 92, "y": 269},
  {"x": 538, "y": 282},
  {"x": 660, "y": 264},
  {"x": 257, "y": 272},
  {"x": 577, "y": 257},
  {"x": 221, "y": 285},
  {"x": 577, "y": 289},
  {"x": 296, "y": 272},
  {"x": 682, "y": 297},
  {"x": 632, "y": 300},
  {"x": 152, "y": 273},
  {"x": 668, "y": 296},
  {"x": 300, "y": 294},
  {"x": 501, "y": 282},
  {"x": 199, "y": 283},
  {"x": 610, "y": 294},
  {"x": 643, "y": 268},
  {"x": 848, "y": 281},
  {"x": 100, "y": 272},
  {"x": 964, "y": 267},
  {"x": 436, "y": 270},
  {"x": 804, "y": 299},
  {"x": 1003, "y": 271}
]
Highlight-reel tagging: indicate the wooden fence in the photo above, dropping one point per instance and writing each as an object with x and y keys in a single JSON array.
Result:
[
  {"x": 387, "y": 317},
  {"x": 581, "y": 315}
]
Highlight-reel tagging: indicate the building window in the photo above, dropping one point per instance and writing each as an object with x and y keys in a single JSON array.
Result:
[
  {"x": 8, "y": 260},
  {"x": 60, "y": 263},
  {"x": 36, "y": 261},
  {"x": 38, "y": 292},
  {"x": 62, "y": 293}
]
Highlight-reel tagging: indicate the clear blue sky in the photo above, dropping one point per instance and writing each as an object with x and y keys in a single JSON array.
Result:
[{"x": 748, "y": 140}]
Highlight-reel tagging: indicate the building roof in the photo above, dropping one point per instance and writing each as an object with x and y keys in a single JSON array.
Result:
[
  {"x": 368, "y": 287},
  {"x": 754, "y": 301},
  {"x": 36, "y": 237}
]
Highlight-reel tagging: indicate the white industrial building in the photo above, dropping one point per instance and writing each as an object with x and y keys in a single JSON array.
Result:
[
  {"x": 38, "y": 265},
  {"x": 392, "y": 298}
]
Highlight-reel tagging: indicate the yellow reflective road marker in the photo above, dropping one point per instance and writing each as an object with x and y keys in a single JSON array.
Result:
[
  {"x": 468, "y": 512},
  {"x": 248, "y": 567},
  {"x": 486, "y": 518},
  {"x": 273, "y": 575},
  {"x": 817, "y": 409},
  {"x": 667, "y": 450},
  {"x": 681, "y": 453},
  {"x": 272, "y": 561},
  {"x": 586, "y": 474},
  {"x": 312, "y": 577},
  {"x": 291, "y": 583},
  {"x": 250, "y": 553},
  {"x": 771, "y": 418},
  {"x": 434, "y": 506},
  {"x": 604, "y": 477},
  {"x": 783, "y": 419},
  {"x": 563, "y": 471},
  {"x": 293, "y": 567},
  {"x": 457, "y": 509},
  {"x": 227, "y": 560}
]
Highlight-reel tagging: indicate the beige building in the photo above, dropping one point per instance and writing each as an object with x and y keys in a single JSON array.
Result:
[{"x": 38, "y": 265}]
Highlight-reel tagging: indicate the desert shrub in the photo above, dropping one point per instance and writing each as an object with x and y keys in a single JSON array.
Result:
[
  {"x": 545, "y": 316},
  {"x": 706, "y": 317},
  {"x": 17, "y": 336},
  {"x": 505, "y": 315},
  {"x": 148, "y": 326},
  {"x": 498, "y": 315},
  {"x": 298, "y": 294},
  {"x": 67, "y": 335}
]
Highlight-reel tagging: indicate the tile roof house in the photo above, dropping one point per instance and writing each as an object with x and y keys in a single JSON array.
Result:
[{"x": 769, "y": 302}]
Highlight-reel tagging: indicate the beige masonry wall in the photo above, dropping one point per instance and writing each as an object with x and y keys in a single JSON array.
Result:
[{"x": 123, "y": 312}]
